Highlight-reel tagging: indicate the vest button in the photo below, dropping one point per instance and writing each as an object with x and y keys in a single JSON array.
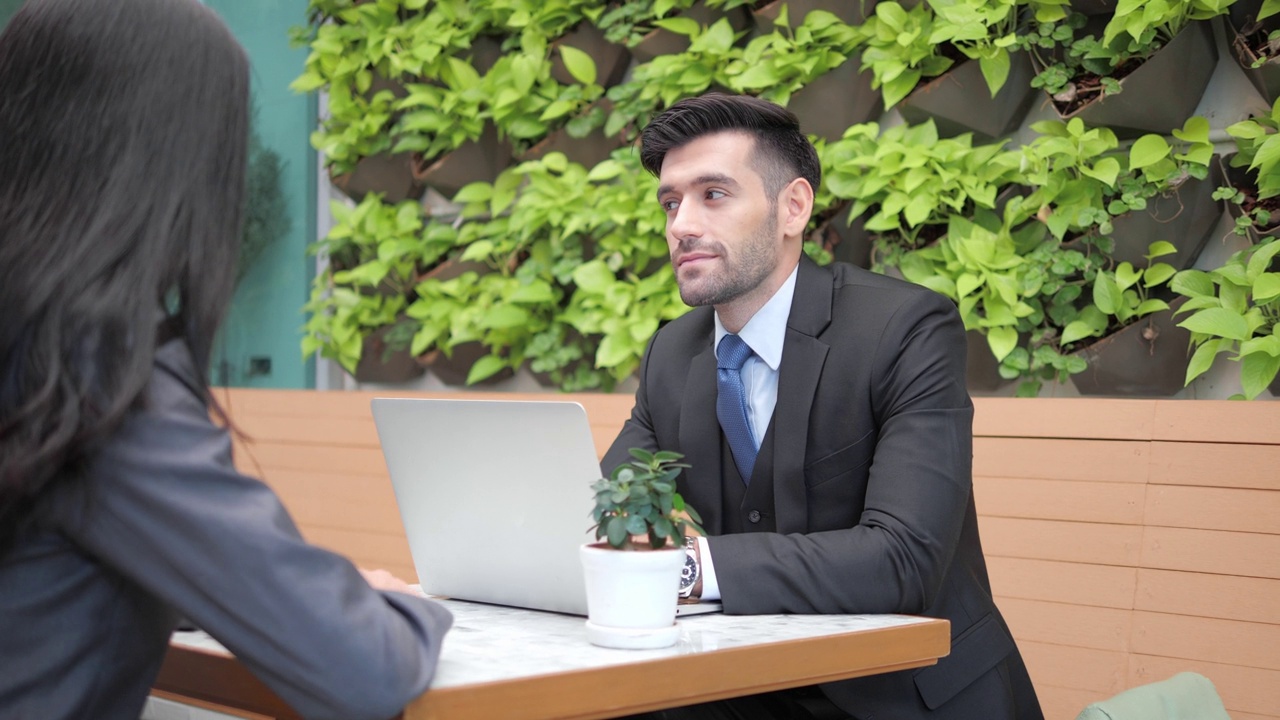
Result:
[{"x": 754, "y": 516}]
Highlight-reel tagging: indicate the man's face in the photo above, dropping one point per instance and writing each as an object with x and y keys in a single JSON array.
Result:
[{"x": 722, "y": 228}]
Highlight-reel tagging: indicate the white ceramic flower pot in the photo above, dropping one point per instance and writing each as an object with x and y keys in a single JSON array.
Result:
[{"x": 631, "y": 596}]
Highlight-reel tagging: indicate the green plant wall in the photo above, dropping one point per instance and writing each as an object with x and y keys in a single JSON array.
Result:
[{"x": 499, "y": 219}]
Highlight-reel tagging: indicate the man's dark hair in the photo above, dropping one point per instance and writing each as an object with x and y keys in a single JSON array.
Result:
[
  {"x": 782, "y": 153},
  {"x": 122, "y": 156}
]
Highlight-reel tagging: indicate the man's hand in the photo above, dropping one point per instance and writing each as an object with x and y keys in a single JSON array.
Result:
[{"x": 383, "y": 580}]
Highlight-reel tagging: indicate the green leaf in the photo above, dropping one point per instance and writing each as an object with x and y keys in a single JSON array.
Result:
[
  {"x": 485, "y": 368},
  {"x": 1076, "y": 330},
  {"x": 995, "y": 70},
  {"x": 504, "y": 316},
  {"x": 474, "y": 192},
  {"x": 1256, "y": 373},
  {"x": 617, "y": 531},
  {"x": 1218, "y": 322},
  {"x": 1202, "y": 360},
  {"x": 1002, "y": 341},
  {"x": 679, "y": 25},
  {"x": 1160, "y": 248},
  {"x": 1107, "y": 294},
  {"x": 606, "y": 170},
  {"x": 594, "y": 277},
  {"x": 579, "y": 64},
  {"x": 1192, "y": 283},
  {"x": 1267, "y": 286},
  {"x": 1105, "y": 170}
]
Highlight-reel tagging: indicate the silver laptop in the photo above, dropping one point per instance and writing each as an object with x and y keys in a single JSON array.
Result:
[{"x": 495, "y": 497}]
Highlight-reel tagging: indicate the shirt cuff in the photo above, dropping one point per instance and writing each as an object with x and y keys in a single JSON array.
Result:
[{"x": 710, "y": 588}]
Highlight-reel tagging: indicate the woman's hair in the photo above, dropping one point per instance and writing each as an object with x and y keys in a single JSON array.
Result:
[
  {"x": 781, "y": 154},
  {"x": 123, "y": 129}
]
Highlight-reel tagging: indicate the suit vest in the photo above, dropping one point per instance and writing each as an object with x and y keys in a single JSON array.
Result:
[{"x": 747, "y": 508}]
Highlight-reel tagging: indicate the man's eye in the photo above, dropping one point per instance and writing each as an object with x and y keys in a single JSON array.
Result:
[
  {"x": 669, "y": 205},
  {"x": 715, "y": 194}
]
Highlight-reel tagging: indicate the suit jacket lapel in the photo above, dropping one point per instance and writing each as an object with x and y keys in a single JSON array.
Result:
[
  {"x": 700, "y": 437},
  {"x": 803, "y": 356}
]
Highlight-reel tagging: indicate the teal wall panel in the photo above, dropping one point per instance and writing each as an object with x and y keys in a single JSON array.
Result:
[
  {"x": 8, "y": 8},
  {"x": 266, "y": 317}
]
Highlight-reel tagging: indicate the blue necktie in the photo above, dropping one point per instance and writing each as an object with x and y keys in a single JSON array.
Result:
[{"x": 731, "y": 403}]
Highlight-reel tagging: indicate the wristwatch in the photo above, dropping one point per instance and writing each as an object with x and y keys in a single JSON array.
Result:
[{"x": 689, "y": 573}]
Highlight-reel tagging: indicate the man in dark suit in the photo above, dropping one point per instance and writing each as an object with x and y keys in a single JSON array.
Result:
[{"x": 825, "y": 416}]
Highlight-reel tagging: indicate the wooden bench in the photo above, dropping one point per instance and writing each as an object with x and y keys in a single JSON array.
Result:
[{"x": 1127, "y": 539}]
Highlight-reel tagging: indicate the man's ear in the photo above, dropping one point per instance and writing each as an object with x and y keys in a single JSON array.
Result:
[{"x": 796, "y": 206}]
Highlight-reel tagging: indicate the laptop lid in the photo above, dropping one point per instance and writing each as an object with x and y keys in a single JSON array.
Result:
[{"x": 495, "y": 496}]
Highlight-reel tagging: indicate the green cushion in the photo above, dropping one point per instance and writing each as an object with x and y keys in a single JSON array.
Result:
[{"x": 1185, "y": 696}]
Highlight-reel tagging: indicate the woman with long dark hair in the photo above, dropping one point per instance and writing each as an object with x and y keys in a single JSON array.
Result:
[{"x": 123, "y": 130}]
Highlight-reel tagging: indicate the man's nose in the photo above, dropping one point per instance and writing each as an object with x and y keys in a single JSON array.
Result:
[{"x": 686, "y": 222}]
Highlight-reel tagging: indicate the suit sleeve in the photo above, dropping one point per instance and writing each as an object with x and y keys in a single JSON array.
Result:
[
  {"x": 919, "y": 484},
  {"x": 166, "y": 508},
  {"x": 637, "y": 431}
]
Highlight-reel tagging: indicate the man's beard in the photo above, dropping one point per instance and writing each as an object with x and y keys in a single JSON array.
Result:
[{"x": 754, "y": 260}]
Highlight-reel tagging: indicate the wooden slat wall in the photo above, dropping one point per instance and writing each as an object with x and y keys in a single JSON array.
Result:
[
  {"x": 320, "y": 452},
  {"x": 1127, "y": 540}
]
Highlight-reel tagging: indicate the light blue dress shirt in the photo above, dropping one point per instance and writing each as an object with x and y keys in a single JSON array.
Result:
[{"x": 764, "y": 333}]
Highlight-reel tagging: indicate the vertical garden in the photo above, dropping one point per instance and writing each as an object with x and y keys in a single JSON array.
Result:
[{"x": 499, "y": 220}]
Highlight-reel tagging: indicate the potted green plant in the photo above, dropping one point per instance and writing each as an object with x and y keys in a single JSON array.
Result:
[
  {"x": 810, "y": 69},
  {"x": 1089, "y": 190},
  {"x": 1234, "y": 310},
  {"x": 357, "y": 311},
  {"x": 633, "y": 572},
  {"x": 1253, "y": 33},
  {"x": 361, "y": 55},
  {"x": 1252, "y": 188},
  {"x": 1144, "y": 71},
  {"x": 908, "y": 50},
  {"x": 665, "y": 79}
]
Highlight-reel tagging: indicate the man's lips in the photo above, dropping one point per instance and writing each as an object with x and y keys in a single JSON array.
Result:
[{"x": 693, "y": 257}]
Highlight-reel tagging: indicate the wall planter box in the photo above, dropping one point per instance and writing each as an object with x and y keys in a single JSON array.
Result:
[
  {"x": 1185, "y": 217},
  {"x": 611, "y": 60},
  {"x": 1146, "y": 359},
  {"x": 1161, "y": 94},
  {"x": 391, "y": 175},
  {"x": 852, "y": 241},
  {"x": 1238, "y": 178},
  {"x": 380, "y": 364},
  {"x": 838, "y": 99},
  {"x": 588, "y": 151},
  {"x": 982, "y": 371},
  {"x": 1093, "y": 7},
  {"x": 851, "y": 12},
  {"x": 1266, "y": 77},
  {"x": 473, "y": 161},
  {"x": 664, "y": 42},
  {"x": 452, "y": 369},
  {"x": 959, "y": 101}
]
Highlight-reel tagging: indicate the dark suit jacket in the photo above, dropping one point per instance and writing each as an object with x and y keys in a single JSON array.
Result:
[
  {"x": 868, "y": 504},
  {"x": 162, "y": 525}
]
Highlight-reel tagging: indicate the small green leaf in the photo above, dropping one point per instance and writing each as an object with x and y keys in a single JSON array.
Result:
[
  {"x": 1257, "y": 370},
  {"x": 679, "y": 25},
  {"x": 1107, "y": 294},
  {"x": 579, "y": 64},
  {"x": 1218, "y": 322},
  {"x": 1201, "y": 360},
  {"x": 1002, "y": 341},
  {"x": 485, "y": 368}
]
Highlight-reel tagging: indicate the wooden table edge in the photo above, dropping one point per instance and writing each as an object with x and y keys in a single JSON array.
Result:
[{"x": 605, "y": 692}]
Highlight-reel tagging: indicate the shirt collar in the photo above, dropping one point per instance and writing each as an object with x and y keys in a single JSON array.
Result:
[{"x": 765, "y": 332}]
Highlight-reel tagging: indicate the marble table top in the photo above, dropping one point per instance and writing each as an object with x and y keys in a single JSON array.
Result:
[{"x": 490, "y": 643}]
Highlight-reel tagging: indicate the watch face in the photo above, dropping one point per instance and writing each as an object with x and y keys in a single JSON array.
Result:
[{"x": 689, "y": 573}]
